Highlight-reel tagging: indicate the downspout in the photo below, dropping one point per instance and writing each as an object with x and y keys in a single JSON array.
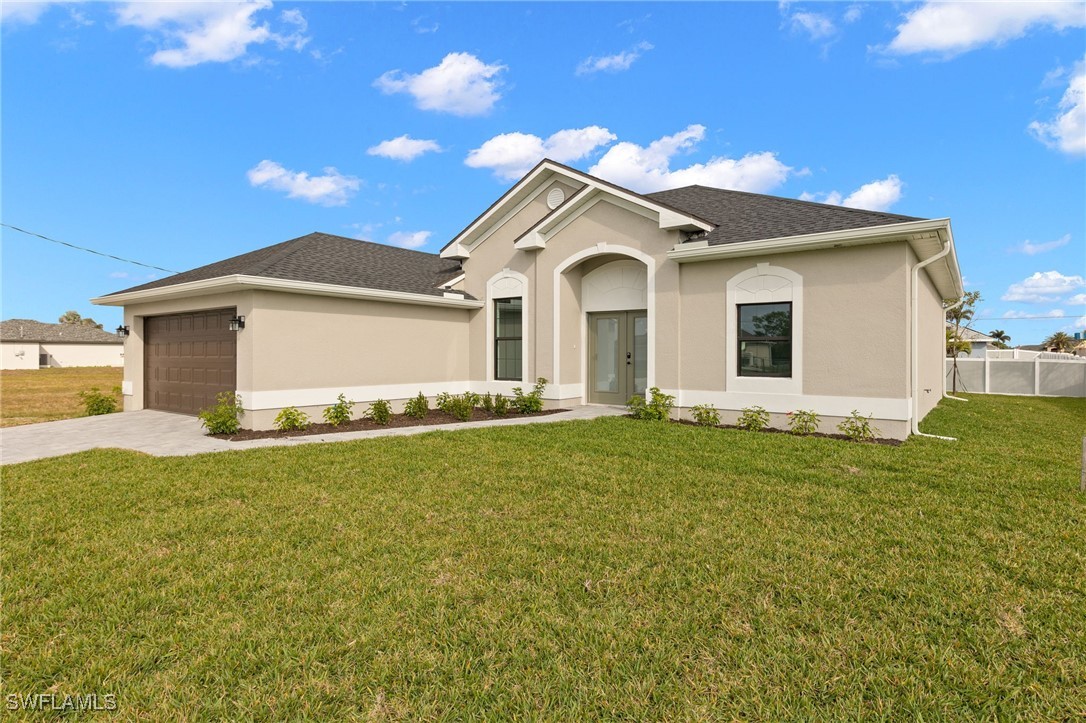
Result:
[
  {"x": 915, "y": 373},
  {"x": 952, "y": 307}
]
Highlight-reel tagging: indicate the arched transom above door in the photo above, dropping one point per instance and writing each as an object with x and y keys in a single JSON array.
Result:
[{"x": 615, "y": 286}]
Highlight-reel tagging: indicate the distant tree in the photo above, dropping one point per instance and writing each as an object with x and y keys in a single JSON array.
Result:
[
  {"x": 1060, "y": 341},
  {"x": 958, "y": 311},
  {"x": 1001, "y": 337},
  {"x": 74, "y": 317}
]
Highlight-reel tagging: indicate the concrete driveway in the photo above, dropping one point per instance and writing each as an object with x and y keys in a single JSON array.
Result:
[{"x": 165, "y": 435}]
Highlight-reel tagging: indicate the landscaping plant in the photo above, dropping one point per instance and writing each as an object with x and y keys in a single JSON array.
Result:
[
  {"x": 339, "y": 413},
  {"x": 753, "y": 419},
  {"x": 488, "y": 402},
  {"x": 803, "y": 421},
  {"x": 291, "y": 419},
  {"x": 224, "y": 417},
  {"x": 532, "y": 402},
  {"x": 657, "y": 408},
  {"x": 458, "y": 405},
  {"x": 857, "y": 427},
  {"x": 380, "y": 411},
  {"x": 705, "y": 415},
  {"x": 417, "y": 407},
  {"x": 96, "y": 402},
  {"x": 501, "y": 405}
]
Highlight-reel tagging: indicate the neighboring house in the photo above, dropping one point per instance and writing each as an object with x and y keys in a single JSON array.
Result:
[
  {"x": 717, "y": 297},
  {"x": 29, "y": 344},
  {"x": 979, "y": 343}
]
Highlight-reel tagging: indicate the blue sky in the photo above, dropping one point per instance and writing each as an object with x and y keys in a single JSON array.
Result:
[{"x": 178, "y": 134}]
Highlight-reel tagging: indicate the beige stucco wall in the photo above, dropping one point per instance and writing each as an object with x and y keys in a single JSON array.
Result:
[
  {"x": 84, "y": 355},
  {"x": 18, "y": 355},
  {"x": 306, "y": 342},
  {"x": 931, "y": 343}
]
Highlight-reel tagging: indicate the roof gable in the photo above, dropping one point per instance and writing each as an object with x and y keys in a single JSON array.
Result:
[{"x": 588, "y": 188}]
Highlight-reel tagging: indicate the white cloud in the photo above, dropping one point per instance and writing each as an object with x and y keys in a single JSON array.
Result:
[
  {"x": 854, "y": 13},
  {"x": 647, "y": 169},
  {"x": 13, "y": 12},
  {"x": 461, "y": 84},
  {"x": 1031, "y": 249},
  {"x": 1077, "y": 300},
  {"x": 409, "y": 239},
  {"x": 1015, "y": 314},
  {"x": 203, "y": 32},
  {"x": 951, "y": 28},
  {"x": 873, "y": 196},
  {"x": 511, "y": 155},
  {"x": 816, "y": 25},
  {"x": 613, "y": 63},
  {"x": 403, "y": 148},
  {"x": 331, "y": 189},
  {"x": 1044, "y": 286},
  {"x": 1067, "y": 131}
]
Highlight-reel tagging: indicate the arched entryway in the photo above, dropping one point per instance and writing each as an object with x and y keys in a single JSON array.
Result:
[{"x": 605, "y": 329}]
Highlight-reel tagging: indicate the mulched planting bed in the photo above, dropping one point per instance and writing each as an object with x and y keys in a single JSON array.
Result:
[
  {"x": 876, "y": 440},
  {"x": 433, "y": 418}
]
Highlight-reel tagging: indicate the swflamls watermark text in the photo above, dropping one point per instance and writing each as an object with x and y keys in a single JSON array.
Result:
[{"x": 57, "y": 701}]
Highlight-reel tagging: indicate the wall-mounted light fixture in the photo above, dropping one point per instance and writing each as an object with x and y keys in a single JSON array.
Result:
[
  {"x": 237, "y": 323},
  {"x": 122, "y": 331}
]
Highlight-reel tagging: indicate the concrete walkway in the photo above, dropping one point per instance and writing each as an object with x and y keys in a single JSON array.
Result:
[{"x": 164, "y": 435}]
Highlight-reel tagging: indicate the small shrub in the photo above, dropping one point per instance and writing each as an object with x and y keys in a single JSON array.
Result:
[
  {"x": 380, "y": 411},
  {"x": 657, "y": 408},
  {"x": 753, "y": 419},
  {"x": 531, "y": 402},
  {"x": 501, "y": 405},
  {"x": 97, "y": 402},
  {"x": 443, "y": 402},
  {"x": 340, "y": 412},
  {"x": 472, "y": 399},
  {"x": 857, "y": 427},
  {"x": 803, "y": 421},
  {"x": 460, "y": 407},
  {"x": 417, "y": 407},
  {"x": 291, "y": 419},
  {"x": 488, "y": 402},
  {"x": 224, "y": 417},
  {"x": 705, "y": 415}
]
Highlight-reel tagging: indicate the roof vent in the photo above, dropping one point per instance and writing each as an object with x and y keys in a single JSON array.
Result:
[{"x": 555, "y": 198}]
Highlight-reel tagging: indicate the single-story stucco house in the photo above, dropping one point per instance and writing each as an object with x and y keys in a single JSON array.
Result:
[
  {"x": 717, "y": 297},
  {"x": 29, "y": 344},
  {"x": 979, "y": 343}
]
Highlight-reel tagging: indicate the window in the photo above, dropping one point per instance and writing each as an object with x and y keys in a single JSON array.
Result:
[
  {"x": 508, "y": 335},
  {"x": 765, "y": 340}
]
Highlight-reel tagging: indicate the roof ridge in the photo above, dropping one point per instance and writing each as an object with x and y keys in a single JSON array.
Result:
[
  {"x": 375, "y": 243},
  {"x": 290, "y": 248}
]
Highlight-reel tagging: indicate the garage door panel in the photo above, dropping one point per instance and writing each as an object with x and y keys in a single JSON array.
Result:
[{"x": 189, "y": 359}]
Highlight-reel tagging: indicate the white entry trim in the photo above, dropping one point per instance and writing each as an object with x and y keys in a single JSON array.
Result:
[{"x": 599, "y": 250}]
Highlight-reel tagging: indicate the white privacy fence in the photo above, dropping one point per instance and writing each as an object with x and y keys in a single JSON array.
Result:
[{"x": 1059, "y": 377}]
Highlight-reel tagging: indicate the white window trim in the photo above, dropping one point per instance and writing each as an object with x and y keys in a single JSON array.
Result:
[
  {"x": 735, "y": 296},
  {"x": 492, "y": 294}
]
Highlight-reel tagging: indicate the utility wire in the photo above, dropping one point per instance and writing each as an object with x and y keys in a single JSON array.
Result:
[
  {"x": 89, "y": 251},
  {"x": 1021, "y": 318}
]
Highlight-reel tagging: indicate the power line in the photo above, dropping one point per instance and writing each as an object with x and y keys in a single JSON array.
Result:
[
  {"x": 1022, "y": 318},
  {"x": 89, "y": 251}
]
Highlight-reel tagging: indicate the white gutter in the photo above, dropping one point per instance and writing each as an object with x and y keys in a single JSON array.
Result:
[
  {"x": 914, "y": 370},
  {"x": 239, "y": 282}
]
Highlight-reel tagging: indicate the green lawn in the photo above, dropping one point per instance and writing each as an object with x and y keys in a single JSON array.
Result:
[{"x": 585, "y": 570}]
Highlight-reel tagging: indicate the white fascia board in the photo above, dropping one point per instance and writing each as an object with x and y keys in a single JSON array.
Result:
[
  {"x": 239, "y": 282},
  {"x": 455, "y": 251},
  {"x": 684, "y": 253}
]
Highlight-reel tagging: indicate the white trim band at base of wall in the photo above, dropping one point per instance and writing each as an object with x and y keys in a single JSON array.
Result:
[
  {"x": 879, "y": 408},
  {"x": 830, "y": 406}
]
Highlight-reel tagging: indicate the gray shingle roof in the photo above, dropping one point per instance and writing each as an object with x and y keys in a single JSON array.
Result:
[
  {"x": 326, "y": 259},
  {"x": 971, "y": 335},
  {"x": 32, "y": 331},
  {"x": 741, "y": 216}
]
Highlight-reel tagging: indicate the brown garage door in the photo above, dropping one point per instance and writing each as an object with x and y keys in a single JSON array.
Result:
[{"x": 188, "y": 359}]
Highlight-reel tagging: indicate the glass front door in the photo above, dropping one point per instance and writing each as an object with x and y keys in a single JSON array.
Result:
[{"x": 617, "y": 356}]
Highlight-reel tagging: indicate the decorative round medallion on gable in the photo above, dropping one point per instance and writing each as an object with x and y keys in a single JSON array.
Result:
[{"x": 555, "y": 197}]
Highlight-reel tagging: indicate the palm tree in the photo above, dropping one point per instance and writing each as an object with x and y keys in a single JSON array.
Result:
[
  {"x": 1001, "y": 338},
  {"x": 1060, "y": 341}
]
